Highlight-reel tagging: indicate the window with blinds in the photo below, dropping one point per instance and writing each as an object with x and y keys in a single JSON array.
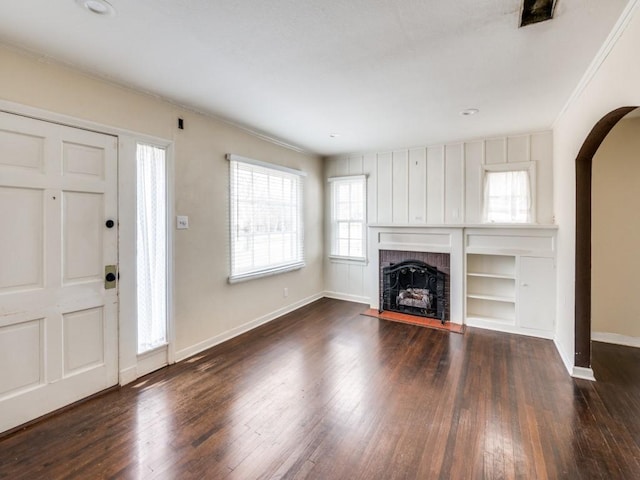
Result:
[{"x": 265, "y": 218}]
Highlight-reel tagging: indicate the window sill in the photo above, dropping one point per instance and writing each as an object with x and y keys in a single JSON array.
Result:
[
  {"x": 350, "y": 260},
  {"x": 266, "y": 273}
]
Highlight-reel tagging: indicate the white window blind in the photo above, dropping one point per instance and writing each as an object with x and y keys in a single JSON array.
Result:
[
  {"x": 507, "y": 197},
  {"x": 151, "y": 257},
  {"x": 348, "y": 216},
  {"x": 265, "y": 218}
]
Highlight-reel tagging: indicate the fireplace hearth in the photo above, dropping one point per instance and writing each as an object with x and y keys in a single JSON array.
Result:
[{"x": 414, "y": 287}]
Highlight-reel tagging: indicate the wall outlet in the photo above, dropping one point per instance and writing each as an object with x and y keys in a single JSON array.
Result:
[
  {"x": 285, "y": 293},
  {"x": 182, "y": 222}
]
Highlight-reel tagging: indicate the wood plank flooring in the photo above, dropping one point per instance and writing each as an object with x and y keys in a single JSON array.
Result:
[{"x": 326, "y": 393}]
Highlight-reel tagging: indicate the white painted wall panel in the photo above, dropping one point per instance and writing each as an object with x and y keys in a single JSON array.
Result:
[
  {"x": 518, "y": 149},
  {"x": 356, "y": 280},
  {"x": 342, "y": 167},
  {"x": 454, "y": 184},
  {"x": 418, "y": 186},
  {"x": 542, "y": 154},
  {"x": 341, "y": 277},
  {"x": 355, "y": 165},
  {"x": 370, "y": 166},
  {"x": 330, "y": 167},
  {"x": 435, "y": 185},
  {"x": 495, "y": 151},
  {"x": 430, "y": 185},
  {"x": 385, "y": 188},
  {"x": 473, "y": 158},
  {"x": 400, "y": 187}
]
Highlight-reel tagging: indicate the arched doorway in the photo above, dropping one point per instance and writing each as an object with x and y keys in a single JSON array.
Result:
[{"x": 584, "y": 163}]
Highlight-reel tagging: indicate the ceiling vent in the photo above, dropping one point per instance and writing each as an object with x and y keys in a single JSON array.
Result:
[{"x": 534, "y": 11}]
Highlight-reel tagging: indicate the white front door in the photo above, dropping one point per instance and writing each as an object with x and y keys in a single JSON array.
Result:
[{"x": 58, "y": 323}]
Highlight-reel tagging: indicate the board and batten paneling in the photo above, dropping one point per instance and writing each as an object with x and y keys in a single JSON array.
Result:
[
  {"x": 400, "y": 190},
  {"x": 435, "y": 185},
  {"x": 454, "y": 187},
  {"x": 417, "y": 186}
]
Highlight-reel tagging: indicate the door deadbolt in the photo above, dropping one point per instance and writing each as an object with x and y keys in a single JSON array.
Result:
[{"x": 110, "y": 277}]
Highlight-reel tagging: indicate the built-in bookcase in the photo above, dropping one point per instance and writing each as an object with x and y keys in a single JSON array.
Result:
[{"x": 491, "y": 288}]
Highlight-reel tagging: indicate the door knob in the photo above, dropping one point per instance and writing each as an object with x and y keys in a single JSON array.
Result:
[{"x": 110, "y": 272}]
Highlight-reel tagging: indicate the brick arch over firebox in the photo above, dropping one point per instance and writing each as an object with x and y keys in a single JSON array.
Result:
[{"x": 584, "y": 163}]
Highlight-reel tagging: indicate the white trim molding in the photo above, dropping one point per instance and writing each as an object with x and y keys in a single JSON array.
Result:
[
  {"x": 616, "y": 339},
  {"x": 347, "y": 297},
  {"x": 583, "y": 373},
  {"x": 617, "y": 31},
  {"x": 234, "y": 332}
]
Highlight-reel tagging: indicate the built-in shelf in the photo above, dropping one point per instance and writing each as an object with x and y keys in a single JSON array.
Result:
[
  {"x": 477, "y": 320},
  {"x": 494, "y": 298},
  {"x": 491, "y": 288},
  {"x": 490, "y": 275}
]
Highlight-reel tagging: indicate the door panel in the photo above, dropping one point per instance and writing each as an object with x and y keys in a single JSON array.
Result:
[
  {"x": 536, "y": 293},
  {"x": 83, "y": 340},
  {"x": 83, "y": 160},
  {"x": 83, "y": 229},
  {"x": 21, "y": 253},
  {"x": 24, "y": 342},
  {"x": 21, "y": 150},
  {"x": 58, "y": 325}
]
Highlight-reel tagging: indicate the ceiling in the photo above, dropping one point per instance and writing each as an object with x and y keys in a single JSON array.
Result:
[{"x": 382, "y": 74}]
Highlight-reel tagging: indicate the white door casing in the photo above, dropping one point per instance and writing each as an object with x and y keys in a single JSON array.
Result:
[{"x": 58, "y": 324}]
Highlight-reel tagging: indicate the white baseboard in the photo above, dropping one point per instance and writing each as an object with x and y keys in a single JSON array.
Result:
[
  {"x": 505, "y": 328},
  {"x": 128, "y": 375},
  {"x": 616, "y": 339},
  {"x": 575, "y": 372},
  {"x": 347, "y": 297},
  {"x": 583, "y": 373},
  {"x": 234, "y": 332},
  {"x": 566, "y": 359}
]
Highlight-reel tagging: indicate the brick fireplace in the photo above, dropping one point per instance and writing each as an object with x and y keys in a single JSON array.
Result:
[
  {"x": 438, "y": 247},
  {"x": 415, "y": 283}
]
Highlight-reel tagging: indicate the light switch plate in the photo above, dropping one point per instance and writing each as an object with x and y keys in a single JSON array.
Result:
[{"x": 182, "y": 222}]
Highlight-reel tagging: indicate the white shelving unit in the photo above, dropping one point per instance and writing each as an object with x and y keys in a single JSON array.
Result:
[
  {"x": 510, "y": 280},
  {"x": 491, "y": 288}
]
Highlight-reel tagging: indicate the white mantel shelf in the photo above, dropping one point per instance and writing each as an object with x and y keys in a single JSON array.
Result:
[{"x": 510, "y": 226}]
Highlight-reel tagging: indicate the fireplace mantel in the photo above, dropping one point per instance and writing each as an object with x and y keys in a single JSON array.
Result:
[{"x": 457, "y": 241}]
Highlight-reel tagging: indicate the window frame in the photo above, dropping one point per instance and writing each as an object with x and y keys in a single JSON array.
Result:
[
  {"x": 530, "y": 168},
  {"x": 333, "y": 229},
  {"x": 272, "y": 269}
]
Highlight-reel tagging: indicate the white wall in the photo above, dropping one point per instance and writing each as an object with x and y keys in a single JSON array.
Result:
[
  {"x": 615, "y": 310},
  {"x": 435, "y": 185},
  {"x": 207, "y": 308},
  {"x": 616, "y": 83}
]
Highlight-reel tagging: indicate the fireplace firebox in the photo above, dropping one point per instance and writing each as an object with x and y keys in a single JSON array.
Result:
[{"x": 414, "y": 287}]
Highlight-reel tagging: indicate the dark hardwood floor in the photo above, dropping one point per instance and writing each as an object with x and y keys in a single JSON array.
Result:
[{"x": 325, "y": 393}]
